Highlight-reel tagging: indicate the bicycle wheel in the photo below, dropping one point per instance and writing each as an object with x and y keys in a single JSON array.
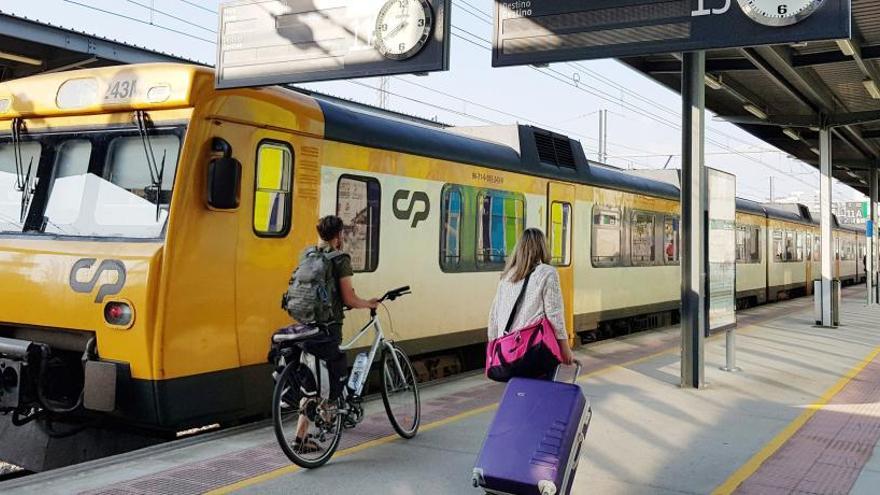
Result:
[
  {"x": 400, "y": 393},
  {"x": 306, "y": 435}
]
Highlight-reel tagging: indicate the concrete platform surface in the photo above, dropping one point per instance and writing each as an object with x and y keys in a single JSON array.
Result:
[{"x": 648, "y": 436}]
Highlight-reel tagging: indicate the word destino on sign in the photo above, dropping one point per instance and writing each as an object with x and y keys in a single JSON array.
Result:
[{"x": 544, "y": 31}]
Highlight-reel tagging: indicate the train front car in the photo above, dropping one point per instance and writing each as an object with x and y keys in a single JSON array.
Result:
[{"x": 91, "y": 173}]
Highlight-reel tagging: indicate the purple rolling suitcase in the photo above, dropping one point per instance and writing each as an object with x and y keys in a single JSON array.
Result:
[{"x": 534, "y": 442}]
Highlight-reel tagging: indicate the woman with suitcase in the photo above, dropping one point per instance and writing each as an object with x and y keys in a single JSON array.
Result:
[{"x": 534, "y": 442}]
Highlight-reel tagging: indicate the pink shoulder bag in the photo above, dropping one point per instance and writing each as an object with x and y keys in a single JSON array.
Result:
[{"x": 530, "y": 352}]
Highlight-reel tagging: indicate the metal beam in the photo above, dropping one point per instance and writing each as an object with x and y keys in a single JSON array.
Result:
[
  {"x": 694, "y": 210},
  {"x": 869, "y": 52},
  {"x": 713, "y": 65}
]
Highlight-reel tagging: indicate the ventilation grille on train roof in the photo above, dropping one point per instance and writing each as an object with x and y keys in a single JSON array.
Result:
[{"x": 554, "y": 149}]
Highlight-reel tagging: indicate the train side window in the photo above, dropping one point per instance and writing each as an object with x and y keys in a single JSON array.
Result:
[
  {"x": 272, "y": 189},
  {"x": 560, "y": 233},
  {"x": 642, "y": 241},
  {"x": 450, "y": 228},
  {"x": 606, "y": 237},
  {"x": 358, "y": 200},
  {"x": 742, "y": 234},
  {"x": 671, "y": 240},
  {"x": 778, "y": 246},
  {"x": 500, "y": 222},
  {"x": 789, "y": 245},
  {"x": 754, "y": 245},
  {"x": 799, "y": 247},
  {"x": 808, "y": 248}
]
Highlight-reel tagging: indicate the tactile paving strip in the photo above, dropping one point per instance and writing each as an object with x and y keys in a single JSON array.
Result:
[
  {"x": 238, "y": 466},
  {"x": 827, "y": 454}
]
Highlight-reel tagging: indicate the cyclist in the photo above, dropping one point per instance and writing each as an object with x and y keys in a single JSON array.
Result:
[{"x": 326, "y": 345}]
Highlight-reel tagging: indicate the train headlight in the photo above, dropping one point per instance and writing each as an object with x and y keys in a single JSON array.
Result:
[{"x": 119, "y": 314}]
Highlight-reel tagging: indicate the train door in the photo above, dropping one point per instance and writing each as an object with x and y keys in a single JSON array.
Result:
[
  {"x": 279, "y": 214},
  {"x": 560, "y": 213}
]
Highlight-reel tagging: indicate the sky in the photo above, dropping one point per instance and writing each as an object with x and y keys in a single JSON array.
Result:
[{"x": 643, "y": 117}]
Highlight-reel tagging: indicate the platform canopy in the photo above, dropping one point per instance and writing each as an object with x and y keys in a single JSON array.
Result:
[
  {"x": 799, "y": 87},
  {"x": 29, "y": 47}
]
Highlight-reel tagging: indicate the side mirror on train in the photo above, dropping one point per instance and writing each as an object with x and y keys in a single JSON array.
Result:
[{"x": 224, "y": 179}]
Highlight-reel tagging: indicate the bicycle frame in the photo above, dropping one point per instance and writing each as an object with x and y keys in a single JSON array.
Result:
[{"x": 379, "y": 341}]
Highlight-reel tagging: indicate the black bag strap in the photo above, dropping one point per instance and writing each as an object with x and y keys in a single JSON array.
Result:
[{"x": 516, "y": 305}]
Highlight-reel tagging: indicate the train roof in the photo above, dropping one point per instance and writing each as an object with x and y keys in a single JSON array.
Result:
[{"x": 541, "y": 152}]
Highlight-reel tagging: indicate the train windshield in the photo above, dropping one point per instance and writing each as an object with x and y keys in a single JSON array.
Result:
[{"x": 111, "y": 183}]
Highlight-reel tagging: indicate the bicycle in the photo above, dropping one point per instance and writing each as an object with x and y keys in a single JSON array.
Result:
[{"x": 307, "y": 427}]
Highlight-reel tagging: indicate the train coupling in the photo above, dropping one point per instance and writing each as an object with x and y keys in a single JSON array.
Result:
[{"x": 19, "y": 367}]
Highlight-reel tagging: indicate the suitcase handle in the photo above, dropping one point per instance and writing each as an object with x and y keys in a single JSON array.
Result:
[{"x": 577, "y": 371}]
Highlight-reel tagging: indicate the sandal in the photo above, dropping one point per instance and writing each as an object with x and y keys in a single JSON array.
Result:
[{"x": 307, "y": 446}]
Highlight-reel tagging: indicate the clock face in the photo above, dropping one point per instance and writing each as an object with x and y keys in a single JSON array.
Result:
[
  {"x": 403, "y": 28},
  {"x": 779, "y": 12}
]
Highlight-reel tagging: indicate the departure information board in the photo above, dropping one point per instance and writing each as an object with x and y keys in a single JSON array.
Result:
[{"x": 543, "y": 31}]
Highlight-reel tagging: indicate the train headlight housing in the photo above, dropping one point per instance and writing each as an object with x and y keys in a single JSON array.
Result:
[{"x": 119, "y": 314}]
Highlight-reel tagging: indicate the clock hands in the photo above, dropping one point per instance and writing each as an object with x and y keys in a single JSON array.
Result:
[{"x": 396, "y": 30}]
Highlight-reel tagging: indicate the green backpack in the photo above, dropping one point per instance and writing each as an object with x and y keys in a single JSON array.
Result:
[{"x": 312, "y": 288}]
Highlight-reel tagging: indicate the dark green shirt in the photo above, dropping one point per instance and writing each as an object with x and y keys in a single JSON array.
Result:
[{"x": 341, "y": 269}]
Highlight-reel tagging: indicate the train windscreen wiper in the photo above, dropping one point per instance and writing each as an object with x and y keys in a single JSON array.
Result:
[
  {"x": 156, "y": 171},
  {"x": 23, "y": 177}
]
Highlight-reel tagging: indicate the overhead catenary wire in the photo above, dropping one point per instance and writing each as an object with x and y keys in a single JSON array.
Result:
[
  {"x": 141, "y": 21},
  {"x": 478, "y": 41}
]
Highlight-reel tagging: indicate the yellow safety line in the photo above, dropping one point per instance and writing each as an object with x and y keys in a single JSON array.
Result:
[
  {"x": 442, "y": 422},
  {"x": 753, "y": 464}
]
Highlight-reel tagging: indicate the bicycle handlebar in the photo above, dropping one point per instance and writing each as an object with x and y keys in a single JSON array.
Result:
[{"x": 395, "y": 293}]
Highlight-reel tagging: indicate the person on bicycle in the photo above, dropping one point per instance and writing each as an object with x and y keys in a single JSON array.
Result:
[{"x": 330, "y": 231}]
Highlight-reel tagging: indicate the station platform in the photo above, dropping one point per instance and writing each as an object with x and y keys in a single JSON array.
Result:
[{"x": 803, "y": 416}]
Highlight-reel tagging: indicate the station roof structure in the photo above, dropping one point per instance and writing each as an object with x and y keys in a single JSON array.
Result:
[
  {"x": 798, "y": 88},
  {"x": 29, "y": 47}
]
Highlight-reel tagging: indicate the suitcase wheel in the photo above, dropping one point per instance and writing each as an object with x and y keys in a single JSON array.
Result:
[{"x": 547, "y": 487}]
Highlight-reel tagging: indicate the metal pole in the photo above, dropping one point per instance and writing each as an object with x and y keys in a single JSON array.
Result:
[
  {"x": 771, "y": 189},
  {"x": 870, "y": 232},
  {"x": 694, "y": 215},
  {"x": 825, "y": 218},
  {"x": 731, "y": 352}
]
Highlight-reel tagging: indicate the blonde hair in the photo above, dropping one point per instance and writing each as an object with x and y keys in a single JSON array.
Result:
[{"x": 531, "y": 250}]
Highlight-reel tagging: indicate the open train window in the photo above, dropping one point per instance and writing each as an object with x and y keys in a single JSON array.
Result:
[
  {"x": 642, "y": 238},
  {"x": 450, "y": 227},
  {"x": 500, "y": 221},
  {"x": 606, "y": 237},
  {"x": 671, "y": 240},
  {"x": 358, "y": 200},
  {"x": 272, "y": 189}
]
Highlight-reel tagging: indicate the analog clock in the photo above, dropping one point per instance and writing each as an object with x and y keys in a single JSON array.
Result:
[
  {"x": 403, "y": 28},
  {"x": 779, "y": 12}
]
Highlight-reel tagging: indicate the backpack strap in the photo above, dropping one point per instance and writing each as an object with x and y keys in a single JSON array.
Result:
[{"x": 516, "y": 305}]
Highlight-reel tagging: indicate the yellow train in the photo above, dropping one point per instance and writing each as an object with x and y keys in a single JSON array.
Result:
[{"x": 149, "y": 224}]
